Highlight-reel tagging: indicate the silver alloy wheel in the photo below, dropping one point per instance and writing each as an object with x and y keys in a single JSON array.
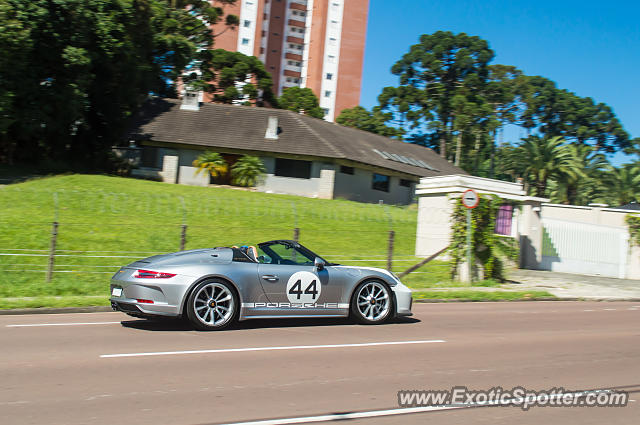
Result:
[
  {"x": 213, "y": 304},
  {"x": 373, "y": 301}
]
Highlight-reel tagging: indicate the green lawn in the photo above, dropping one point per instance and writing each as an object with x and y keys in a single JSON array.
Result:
[{"x": 106, "y": 222}]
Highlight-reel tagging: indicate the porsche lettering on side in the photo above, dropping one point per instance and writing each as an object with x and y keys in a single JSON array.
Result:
[{"x": 215, "y": 287}]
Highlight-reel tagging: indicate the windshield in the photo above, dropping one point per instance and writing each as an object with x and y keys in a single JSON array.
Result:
[{"x": 285, "y": 252}]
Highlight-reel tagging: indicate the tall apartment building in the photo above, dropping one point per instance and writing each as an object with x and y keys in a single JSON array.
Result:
[{"x": 306, "y": 43}]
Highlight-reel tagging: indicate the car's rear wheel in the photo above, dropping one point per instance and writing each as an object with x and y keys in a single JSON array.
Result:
[
  {"x": 372, "y": 303},
  {"x": 212, "y": 305}
]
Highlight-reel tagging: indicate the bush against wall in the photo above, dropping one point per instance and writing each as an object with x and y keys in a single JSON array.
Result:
[
  {"x": 633, "y": 222},
  {"x": 489, "y": 250}
]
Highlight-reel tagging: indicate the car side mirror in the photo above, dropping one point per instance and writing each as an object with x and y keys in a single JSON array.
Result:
[{"x": 319, "y": 264}]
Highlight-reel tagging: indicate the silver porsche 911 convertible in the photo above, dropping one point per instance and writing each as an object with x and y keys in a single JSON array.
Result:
[{"x": 281, "y": 278}]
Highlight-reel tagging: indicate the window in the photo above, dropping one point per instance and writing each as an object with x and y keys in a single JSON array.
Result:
[
  {"x": 503, "y": 220},
  {"x": 247, "y": 23},
  {"x": 346, "y": 170},
  {"x": 286, "y": 253},
  {"x": 329, "y": 76},
  {"x": 276, "y": 34},
  {"x": 332, "y": 59},
  {"x": 245, "y": 41},
  {"x": 380, "y": 182},
  {"x": 293, "y": 168},
  {"x": 149, "y": 157},
  {"x": 295, "y": 12},
  {"x": 327, "y": 93},
  {"x": 405, "y": 182},
  {"x": 332, "y": 41},
  {"x": 326, "y": 111},
  {"x": 288, "y": 79},
  {"x": 296, "y": 80}
]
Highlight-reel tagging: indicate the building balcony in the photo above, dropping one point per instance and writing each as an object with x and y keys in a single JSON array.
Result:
[
  {"x": 296, "y": 40},
  {"x": 298, "y": 5},
  {"x": 296, "y": 23},
  {"x": 289, "y": 73},
  {"x": 293, "y": 56}
]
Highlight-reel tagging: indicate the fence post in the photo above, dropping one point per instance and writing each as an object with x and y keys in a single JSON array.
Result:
[
  {"x": 296, "y": 234},
  {"x": 183, "y": 237},
  {"x": 52, "y": 251},
  {"x": 392, "y": 235}
]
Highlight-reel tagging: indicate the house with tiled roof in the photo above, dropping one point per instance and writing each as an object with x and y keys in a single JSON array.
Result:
[{"x": 303, "y": 155}]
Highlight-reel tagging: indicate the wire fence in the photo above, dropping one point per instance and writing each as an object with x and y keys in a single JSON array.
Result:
[{"x": 83, "y": 236}]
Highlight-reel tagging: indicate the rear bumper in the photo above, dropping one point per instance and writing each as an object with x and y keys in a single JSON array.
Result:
[{"x": 134, "y": 308}]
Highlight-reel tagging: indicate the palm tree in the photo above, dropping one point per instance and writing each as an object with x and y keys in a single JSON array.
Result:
[
  {"x": 541, "y": 159},
  {"x": 623, "y": 183},
  {"x": 211, "y": 162},
  {"x": 582, "y": 186},
  {"x": 247, "y": 171}
]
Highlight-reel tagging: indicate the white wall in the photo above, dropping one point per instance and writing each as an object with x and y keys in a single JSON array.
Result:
[
  {"x": 434, "y": 224},
  {"x": 318, "y": 186},
  {"x": 603, "y": 224},
  {"x": 357, "y": 187}
]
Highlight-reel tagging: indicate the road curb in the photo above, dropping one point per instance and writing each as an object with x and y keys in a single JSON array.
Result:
[{"x": 59, "y": 310}]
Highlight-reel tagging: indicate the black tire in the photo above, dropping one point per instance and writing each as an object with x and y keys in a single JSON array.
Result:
[
  {"x": 208, "y": 308},
  {"x": 373, "y": 312}
]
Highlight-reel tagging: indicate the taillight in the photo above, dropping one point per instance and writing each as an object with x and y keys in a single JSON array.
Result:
[
  {"x": 143, "y": 301},
  {"x": 149, "y": 274}
]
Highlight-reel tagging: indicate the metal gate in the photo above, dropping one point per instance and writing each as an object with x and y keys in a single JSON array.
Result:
[{"x": 583, "y": 248}]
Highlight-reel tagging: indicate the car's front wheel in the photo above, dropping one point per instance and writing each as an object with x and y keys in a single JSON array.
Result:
[
  {"x": 212, "y": 305},
  {"x": 372, "y": 303}
]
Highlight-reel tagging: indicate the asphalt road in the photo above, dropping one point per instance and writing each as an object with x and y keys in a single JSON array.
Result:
[{"x": 54, "y": 374}]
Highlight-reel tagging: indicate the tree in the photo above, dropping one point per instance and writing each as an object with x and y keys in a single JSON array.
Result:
[
  {"x": 247, "y": 171},
  {"x": 73, "y": 71},
  {"x": 300, "y": 100},
  {"x": 556, "y": 112},
  {"x": 623, "y": 184},
  {"x": 371, "y": 121},
  {"x": 231, "y": 77},
  {"x": 211, "y": 163},
  {"x": 431, "y": 74},
  {"x": 583, "y": 187},
  {"x": 539, "y": 160}
]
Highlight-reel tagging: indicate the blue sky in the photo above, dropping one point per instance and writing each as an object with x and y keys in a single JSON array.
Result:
[{"x": 589, "y": 47}]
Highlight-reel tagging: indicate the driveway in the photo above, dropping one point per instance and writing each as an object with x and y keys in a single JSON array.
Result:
[{"x": 566, "y": 285}]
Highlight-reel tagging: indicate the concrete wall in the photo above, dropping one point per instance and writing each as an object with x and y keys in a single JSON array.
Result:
[
  {"x": 530, "y": 235},
  {"x": 189, "y": 176},
  {"x": 318, "y": 186},
  {"x": 434, "y": 224},
  {"x": 326, "y": 182},
  {"x": 609, "y": 219},
  {"x": 357, "y": 187}
]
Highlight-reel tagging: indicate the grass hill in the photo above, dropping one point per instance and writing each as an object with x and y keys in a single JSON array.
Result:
[{"x": 106, "y": 222}]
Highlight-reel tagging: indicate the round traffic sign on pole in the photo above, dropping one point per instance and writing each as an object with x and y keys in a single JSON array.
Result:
[{"x": 470, "y": 198}]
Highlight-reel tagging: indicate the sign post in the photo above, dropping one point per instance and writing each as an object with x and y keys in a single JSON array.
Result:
[{"x": 470, "y": 200}]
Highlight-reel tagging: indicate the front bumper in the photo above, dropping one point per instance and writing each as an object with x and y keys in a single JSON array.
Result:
[{"x": 403, "y": 299}]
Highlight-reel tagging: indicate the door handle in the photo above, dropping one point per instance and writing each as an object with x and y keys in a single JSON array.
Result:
[{"x": 270, "y": 277}]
